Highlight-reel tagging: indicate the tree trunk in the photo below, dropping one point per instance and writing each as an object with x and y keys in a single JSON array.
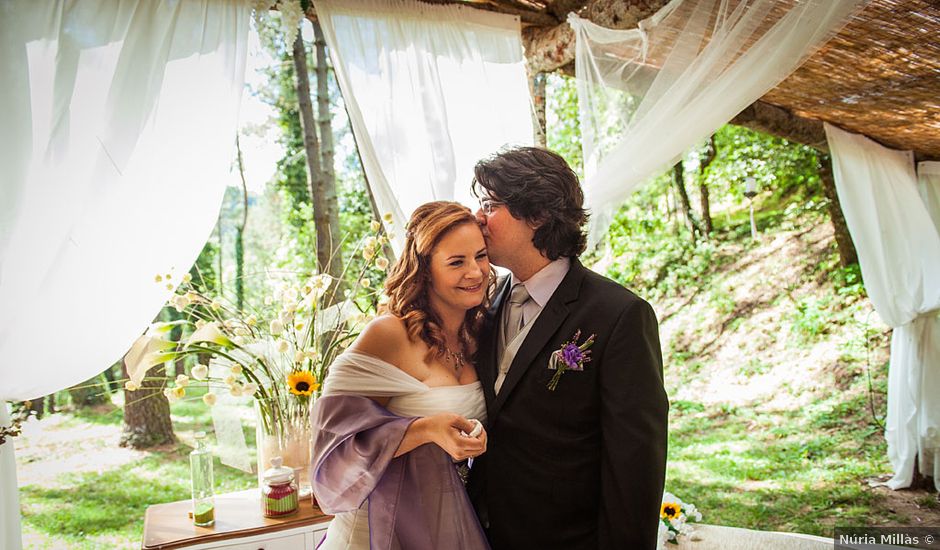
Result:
[
  {"x": 110, "y": 376},
  {"x": 89, "y": 393},
  {"x": 240, "y": 234},
  {"x": 710, "y": 153},
  {"x": 38, "y": 406},
  {"x": 326, "y": 211},
  {"x": 847, "y": 253},
  {"x": 147, "y": 413},
  {"x": 537, "y": 89},
  {"x": 678, "y": 178},
  {"x": 321, "y": 218},
  {"x": 218, "y": 226}
]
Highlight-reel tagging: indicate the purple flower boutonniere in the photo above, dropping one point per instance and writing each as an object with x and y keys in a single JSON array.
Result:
[{"x": 571, "y": 356}]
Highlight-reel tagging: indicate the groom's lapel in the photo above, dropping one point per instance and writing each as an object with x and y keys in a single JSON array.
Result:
[
  {"x": 488, "y": 352},
  {"x": 547, "y": 323}
]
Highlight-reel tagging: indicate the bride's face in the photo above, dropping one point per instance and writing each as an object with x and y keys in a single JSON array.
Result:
[{"x": 459, "y": 270}]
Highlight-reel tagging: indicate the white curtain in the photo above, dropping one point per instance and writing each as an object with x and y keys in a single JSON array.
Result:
[
  {"x": 928, "y": 183},
  {"x": 647, "y": 95},
  {"x": 899, "y": 253},
  {"x": 430, "y": 91},
  {"x": 9, "y": 493},
  {"x": 116, "y": 135}
]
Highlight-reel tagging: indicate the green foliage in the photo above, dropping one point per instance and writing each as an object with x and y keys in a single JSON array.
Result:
[
  {"x": 563, "y": 132},
  {"x": 653, "y": 255},
  {"x": 811, "y": 318},
  {"x": 779, "y": 166}
]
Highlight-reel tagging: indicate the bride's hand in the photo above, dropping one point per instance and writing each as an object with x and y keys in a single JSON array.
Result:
[{"x": 445, "y": 430}]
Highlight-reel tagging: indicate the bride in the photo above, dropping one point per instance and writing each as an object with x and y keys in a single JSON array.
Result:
[{"x": 402, "y": 408}]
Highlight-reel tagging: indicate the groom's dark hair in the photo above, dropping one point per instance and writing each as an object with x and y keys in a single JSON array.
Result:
[{"x": 537, "y": 185}]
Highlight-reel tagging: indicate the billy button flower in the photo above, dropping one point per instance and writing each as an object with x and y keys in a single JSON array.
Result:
[
  {"x": 302, "y": 383},
  {"x": 670, "y": 510}
]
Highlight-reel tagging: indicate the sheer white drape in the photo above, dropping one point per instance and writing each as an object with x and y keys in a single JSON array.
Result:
[
  {"x": 430, "y": 90},
  {"x": 899, "y": 253},
  {"x": 928, "y": 183},
  {"x": 9, "y": 492},
  {"x": 647, "y": 95},
  {"x": 116, "y": 135}
]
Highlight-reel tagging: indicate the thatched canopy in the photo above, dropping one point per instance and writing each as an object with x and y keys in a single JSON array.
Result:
[{"x": 880, "y": 76}]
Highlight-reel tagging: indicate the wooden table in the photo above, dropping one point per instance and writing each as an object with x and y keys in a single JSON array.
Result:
[{"x": 239, "y": 525}]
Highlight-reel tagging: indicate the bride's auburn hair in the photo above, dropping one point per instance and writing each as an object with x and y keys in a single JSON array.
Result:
[{"x": 409, "y": 279}]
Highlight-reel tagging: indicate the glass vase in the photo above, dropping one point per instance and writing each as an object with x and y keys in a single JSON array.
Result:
[{"x": 284, "y": 430}]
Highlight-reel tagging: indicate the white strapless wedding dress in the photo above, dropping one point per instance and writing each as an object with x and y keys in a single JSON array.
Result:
[{"x": 356, "y": 373}]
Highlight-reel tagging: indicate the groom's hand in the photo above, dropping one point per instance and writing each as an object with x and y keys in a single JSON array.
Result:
[{"x": 445, "y": 430}]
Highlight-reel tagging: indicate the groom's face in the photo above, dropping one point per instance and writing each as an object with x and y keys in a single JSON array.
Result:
[{"x": 506, "y": 236}]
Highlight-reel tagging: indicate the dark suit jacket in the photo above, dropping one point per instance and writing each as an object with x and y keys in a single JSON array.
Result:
[{"x": 581, "y": 467}]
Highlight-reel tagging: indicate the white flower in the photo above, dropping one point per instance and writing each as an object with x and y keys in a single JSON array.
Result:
[
  {"x": 235, "y": 390},
  {"x": 366, "y": 283},
  {"x": 381, "y": 262},
  {"x": 209, "y": 399},
  {"x": 387, "y": 217},
  {"x": 168, "y": 276},
  {"x": 291, "y": 14},
  {"x": 130, "y": 385},
  {"x": 299, "y": 356},
  {"x": 375, "y": 226},
  {"x": 174, "y": 394},
  {"x": 277, "y": 327},
  {"x": 236, "y": 370},
  {"x": 200, "y": 372},
  {"x": 211, "y": 333},
  {"x": 201, "y": 323},
  {"x": 251, "y": 321},
  {"x": 182, "y": 380},
  {"x": 187, "y": 278},
  {"x": 249, "y": 388},
  {"x": 290, "y": 294},
  {"x": 283, "y": 346},
  {"x": 216, "y": 305},
  {"x": 158, "y": 278},
  {"x": 230, "y": 380},
  {"x": 169, "y": 286}
]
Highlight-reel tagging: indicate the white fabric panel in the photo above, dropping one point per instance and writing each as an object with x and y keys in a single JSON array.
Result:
[
  {"x": 116, "y": 137},
  {"x": 10, "y": 538},
  {"x": 647, "y": 95},
  {"x": 899, "y": 254},
  {"x": 430, "y": 90},
  {"x": 928, "y": 183}
]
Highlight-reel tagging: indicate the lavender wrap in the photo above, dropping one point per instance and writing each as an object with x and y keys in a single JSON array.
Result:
[{"x": 416, "y": 501}]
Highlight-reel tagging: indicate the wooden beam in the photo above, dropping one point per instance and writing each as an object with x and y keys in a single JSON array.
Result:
[
  {"x": 548, "y": 48},
  {"x": 778, "y": 121}
]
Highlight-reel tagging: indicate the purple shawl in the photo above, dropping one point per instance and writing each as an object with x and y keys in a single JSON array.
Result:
[{"x": 416, "y": 501}]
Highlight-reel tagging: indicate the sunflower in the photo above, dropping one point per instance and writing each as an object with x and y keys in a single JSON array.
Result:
[
  {"x": 302, "y": 383},
  {"x": 670, "y": 511}
]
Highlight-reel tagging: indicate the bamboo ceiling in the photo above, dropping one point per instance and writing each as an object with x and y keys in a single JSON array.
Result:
[{"x": 880, "y": 75}]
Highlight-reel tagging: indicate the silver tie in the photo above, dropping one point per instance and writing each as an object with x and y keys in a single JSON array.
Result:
[{"x": 513, "y": 319}]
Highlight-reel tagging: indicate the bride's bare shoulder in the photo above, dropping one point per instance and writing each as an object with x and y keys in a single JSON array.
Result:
[{"x": 384, "y": 337}]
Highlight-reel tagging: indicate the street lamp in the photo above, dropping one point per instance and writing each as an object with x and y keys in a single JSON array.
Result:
[{"x": 750, "y": 191}]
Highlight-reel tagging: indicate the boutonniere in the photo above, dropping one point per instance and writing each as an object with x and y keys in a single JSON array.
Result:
[{"x": 571, "y": 356}]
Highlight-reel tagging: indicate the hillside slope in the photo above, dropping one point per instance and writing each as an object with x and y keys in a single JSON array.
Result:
[{"x": 776, "y": 368}]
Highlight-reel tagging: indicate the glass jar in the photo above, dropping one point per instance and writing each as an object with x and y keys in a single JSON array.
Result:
[
  {"x": 200, "y": 464},
  {"x": 279, "y": 494}
]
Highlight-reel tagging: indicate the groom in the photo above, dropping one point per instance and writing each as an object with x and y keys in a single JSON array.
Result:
[{"x": 576, "y": 459}]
